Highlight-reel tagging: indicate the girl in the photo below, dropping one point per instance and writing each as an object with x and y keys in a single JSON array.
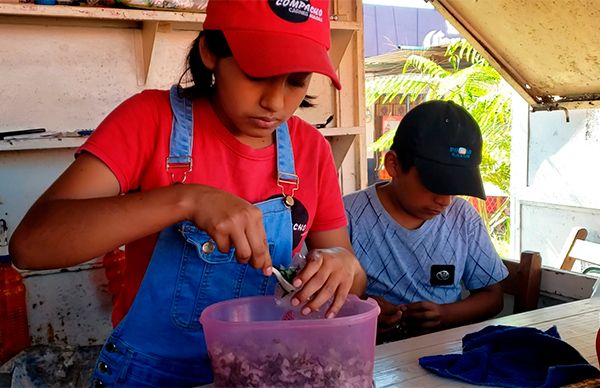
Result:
[{"x": 208, "y": 186}]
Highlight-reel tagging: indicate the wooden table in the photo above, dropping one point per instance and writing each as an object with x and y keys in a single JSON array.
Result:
[{"x": 397, "y": 363}]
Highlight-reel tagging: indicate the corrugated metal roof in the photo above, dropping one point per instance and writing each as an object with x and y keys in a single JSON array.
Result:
[
  {"x": 393, "y": 62},
  {"x": 547, "y": 50}
]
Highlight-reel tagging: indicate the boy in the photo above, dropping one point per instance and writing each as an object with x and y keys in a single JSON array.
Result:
[{"x": 415, "y": 240}]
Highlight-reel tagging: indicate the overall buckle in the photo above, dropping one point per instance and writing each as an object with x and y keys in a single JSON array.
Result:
[
  {"x": 291, "y": 181},
  {"x": 178, "y": 168}
]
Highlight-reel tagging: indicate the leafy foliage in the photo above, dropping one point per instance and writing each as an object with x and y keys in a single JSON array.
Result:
[
  {"x": 288, "y": 273},
  {"x": 479, "y": 88},
  {"x": 497, "y": 222}
]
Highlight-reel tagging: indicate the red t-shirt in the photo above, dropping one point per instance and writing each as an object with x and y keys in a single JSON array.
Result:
[{"x": 133, "y": 141}]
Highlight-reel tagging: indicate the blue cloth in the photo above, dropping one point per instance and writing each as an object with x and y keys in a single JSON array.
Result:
[
  {"x": 160, "y": 342},
  {"x": 509, "y": 356}
]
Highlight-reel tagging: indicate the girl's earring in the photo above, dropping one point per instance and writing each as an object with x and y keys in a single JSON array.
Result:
[{"x": 212, "y": 80}]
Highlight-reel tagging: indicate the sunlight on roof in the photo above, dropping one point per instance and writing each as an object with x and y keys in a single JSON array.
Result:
[{"x": 401, "y": 3}]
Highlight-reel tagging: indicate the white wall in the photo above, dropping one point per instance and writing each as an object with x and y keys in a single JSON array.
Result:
[
  {"x": 564, "y": 156},
  {"x": 65, "y": 78},
  {"x": 555, "y": 181}
]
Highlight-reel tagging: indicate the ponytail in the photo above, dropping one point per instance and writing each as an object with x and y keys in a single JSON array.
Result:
[{"x": 196, "y": 73}]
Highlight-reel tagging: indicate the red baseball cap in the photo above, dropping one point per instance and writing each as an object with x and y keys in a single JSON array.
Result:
[{"x": 274, "y": 37}]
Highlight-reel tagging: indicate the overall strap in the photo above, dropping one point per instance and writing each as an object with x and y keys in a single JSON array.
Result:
[
  {"x": 287, "y": 179},
  {"x": 179, "y": 161}
]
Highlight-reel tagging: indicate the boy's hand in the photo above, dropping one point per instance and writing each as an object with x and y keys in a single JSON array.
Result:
[
  {"x": 328, "y": 273},
  {"x": 390, "y": 315},
  {"x": 422, "y": 317}
]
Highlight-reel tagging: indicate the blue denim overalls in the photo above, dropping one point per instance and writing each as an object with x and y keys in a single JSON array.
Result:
[{"x": 160, "y": 342}]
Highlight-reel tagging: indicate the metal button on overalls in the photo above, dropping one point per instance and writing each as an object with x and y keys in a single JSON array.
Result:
[
  {"x": 208, "y": 247},
  {"x": 102, "y": 367}
]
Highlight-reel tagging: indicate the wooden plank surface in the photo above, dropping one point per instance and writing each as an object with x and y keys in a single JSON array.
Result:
[
  {"x": 396, "y": 364},
  {"x": 41, "y": 143},
  {"x": 27, "y": 9},
  {"x": 107, "y": 13}
]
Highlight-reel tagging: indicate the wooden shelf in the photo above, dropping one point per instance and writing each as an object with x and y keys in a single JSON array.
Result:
[
  {"x": 41, "y": 143},
  {"x": 125, "y": 14},
  {"x": 82, "y": 12},
  {"x": 148, "y": 21},
  {"x": 74, "y": 142},
  {"x": 333, "y": 131},
  {"x": 342, "y": 25},
  {"x": 341, "y": 139},
  {"x": 147, "y": 24}
]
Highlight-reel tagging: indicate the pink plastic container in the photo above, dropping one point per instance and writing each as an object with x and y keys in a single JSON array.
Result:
[{"x": 252, "y": 342}]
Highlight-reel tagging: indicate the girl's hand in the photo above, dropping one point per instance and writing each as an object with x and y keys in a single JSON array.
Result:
[
  {"x": 328, "y": 273},
  {"x": 231, "y": 222}
]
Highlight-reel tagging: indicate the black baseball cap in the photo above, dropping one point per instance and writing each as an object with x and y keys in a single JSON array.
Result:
[{"x": 446, "y": 143}]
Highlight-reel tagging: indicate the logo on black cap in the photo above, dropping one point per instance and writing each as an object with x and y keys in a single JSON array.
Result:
[
  {"x": 461, "y": 152},
  {"x": 296, "y": 11}
]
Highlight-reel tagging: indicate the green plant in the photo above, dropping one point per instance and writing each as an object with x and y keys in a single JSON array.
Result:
[
  {"x": 480, "y": 89},
  {"x": 497, "y": 223}
]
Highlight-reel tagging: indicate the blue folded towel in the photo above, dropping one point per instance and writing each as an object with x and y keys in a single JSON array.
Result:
[{"x": 509, "y": 356}]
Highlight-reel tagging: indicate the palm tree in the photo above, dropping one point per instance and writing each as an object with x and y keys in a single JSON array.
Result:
[{"x": 479, "y": 88}]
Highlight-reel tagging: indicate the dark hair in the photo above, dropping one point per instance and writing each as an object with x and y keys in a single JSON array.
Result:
[
  {"x": 404, "y": 152},
  {"x": 200, "y": 76},
  {"x": 195, "y": 72}
]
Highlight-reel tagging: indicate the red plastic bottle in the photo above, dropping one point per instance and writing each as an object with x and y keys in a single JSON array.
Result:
[
  {"x": 14, "y": 330},
  {"x": 114, "y": 267},
  {"x": 598, "y": 345}
]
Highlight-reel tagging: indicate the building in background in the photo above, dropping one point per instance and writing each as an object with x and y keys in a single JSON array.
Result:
[
  {"x": 405, "y": 24},
  {"x": 392, "y": 31}
]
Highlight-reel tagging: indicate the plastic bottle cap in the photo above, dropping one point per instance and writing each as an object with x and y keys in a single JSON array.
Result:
[{"x": 3, "y": 249}]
